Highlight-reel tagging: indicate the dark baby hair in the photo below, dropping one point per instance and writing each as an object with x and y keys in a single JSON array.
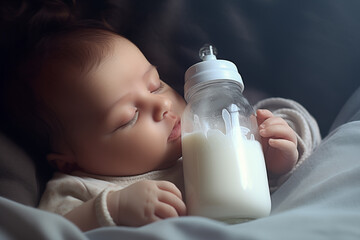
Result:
[{"x": 41, "y": 36}]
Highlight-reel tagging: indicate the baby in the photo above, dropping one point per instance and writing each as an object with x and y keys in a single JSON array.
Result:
[{"x": 111, "y": 123}]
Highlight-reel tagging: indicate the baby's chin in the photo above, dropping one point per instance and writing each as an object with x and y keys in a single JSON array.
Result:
[
  {"x": 171, "y": 158},
  {"x": 168, "y": 164}
]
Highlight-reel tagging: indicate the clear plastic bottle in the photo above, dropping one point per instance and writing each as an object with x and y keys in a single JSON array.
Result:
[{"x": 224, "y": 168}]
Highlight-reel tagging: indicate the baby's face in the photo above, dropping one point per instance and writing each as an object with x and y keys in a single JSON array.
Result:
[{"x": 123, "y": 120}]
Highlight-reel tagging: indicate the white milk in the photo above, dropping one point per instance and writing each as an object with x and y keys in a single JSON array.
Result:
[{"x": 225, "y": 176}]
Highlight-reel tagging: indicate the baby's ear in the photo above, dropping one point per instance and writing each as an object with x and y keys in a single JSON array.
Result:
[{"x": 63, "y": 162}]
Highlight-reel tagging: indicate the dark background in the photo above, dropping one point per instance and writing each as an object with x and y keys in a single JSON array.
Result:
[{"x": 304, "y": 50}]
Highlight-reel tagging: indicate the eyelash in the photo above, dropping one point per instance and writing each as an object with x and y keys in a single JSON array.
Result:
[
  {"x": 162, "y": 85},
  {"x": 133, "y": 120},
  {"x": 136, "y": 116}
]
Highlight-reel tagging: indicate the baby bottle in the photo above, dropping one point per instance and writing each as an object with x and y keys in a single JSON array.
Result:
[{"x": 224, "y": 168}]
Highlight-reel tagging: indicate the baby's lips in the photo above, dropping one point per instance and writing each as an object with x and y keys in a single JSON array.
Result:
[{"x": 175, "y": 132}]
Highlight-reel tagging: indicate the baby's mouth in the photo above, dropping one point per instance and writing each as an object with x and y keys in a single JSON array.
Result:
[{"x": 175, "y": 132}]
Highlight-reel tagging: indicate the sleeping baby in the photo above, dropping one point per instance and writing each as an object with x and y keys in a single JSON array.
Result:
[{"x": 110, "y": 123}]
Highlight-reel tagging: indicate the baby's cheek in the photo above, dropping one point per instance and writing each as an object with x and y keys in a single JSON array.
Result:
[{"x": 150, "y": 143}]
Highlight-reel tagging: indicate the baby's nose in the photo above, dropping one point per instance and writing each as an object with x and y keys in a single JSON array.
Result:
[{"x": 162, "y": 106}]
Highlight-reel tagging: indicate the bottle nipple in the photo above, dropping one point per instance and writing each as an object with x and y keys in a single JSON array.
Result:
[
  {"x": 207, "y": 52},
  {"x": 210, "y": 69}
]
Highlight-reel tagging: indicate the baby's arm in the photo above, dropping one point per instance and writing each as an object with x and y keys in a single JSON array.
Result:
[
  {"x": 279, "y": 143},
  {"x": 138, "y": 204}
]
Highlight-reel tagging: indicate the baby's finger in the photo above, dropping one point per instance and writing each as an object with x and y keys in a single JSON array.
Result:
[
  {"x": 164, "y": 210},
  {"x": 172, "y": 200},
  {"x": 287, "y": 158},
  {"x": 278, "y": 131},
  {"x": 262, "y": 115},
  {"x": 170, "y": 187},
  {"x": 288, "y": 148},
  {"x": 282, "y": 144},
  {"x": 273, "y": 121}
]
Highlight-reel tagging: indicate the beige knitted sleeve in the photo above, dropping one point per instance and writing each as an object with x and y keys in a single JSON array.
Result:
[{"x": 63, "y": 193}]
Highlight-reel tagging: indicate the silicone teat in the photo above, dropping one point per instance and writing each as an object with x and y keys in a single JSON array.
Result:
[
  {"x": 207, "y": 52},
  {"x": 210, "y": 69}
]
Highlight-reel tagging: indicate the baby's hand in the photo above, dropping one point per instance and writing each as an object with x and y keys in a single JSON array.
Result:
[
  {"x": 279, "y": 143},
  {"x": 145, "y": 202}
]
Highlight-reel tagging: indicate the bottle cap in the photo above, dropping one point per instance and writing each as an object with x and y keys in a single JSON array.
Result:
[{"x": 211, "y": 69}]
